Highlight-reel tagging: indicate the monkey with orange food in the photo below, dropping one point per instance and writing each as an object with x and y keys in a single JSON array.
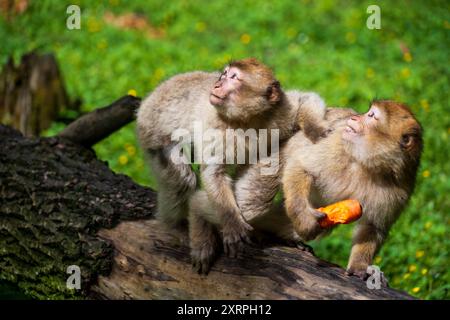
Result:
[{"x": 372, "y": 157}]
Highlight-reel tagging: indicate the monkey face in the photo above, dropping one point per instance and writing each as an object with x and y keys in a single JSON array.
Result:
[
  {"x": 388, "y": 130},
  {"x": 225, "y": 89},
  {"x": 363, "y": 124},
  {"x": 246, "y": 89}
]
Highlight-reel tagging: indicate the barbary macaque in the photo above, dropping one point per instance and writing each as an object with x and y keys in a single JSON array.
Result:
[
  {"x": 371, "y": 157},
  {"x": 244, "y": 96}
]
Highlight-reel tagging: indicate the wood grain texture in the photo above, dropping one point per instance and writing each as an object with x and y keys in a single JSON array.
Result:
[{"x": 152, "y": 262}]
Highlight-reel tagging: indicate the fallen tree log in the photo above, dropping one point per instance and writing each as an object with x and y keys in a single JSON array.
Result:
[
  {"x": 61, "y": 206},
  {"x": 151, "y": 262}
]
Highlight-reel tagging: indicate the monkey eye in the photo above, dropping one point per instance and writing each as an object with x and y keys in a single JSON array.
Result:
[
  {"x": 234, "y": 76},
  {"x": 372, "y": 114}
]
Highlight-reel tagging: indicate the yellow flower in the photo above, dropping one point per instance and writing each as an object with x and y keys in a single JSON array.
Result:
[
  {"x": 102, "y": 44},
  {"x": 290, "y": 33},
  {"x": 123, "y": 159},
  {"x": 158, "y": 74},
  {"x": 131, "y": 150},
  {"x": 428, "y": 225},
  {"x": 378, "y": 260},
  {"x": 226, "y": 57},
  {"x": 200, "y": 26},
  {"x": 407, "y": 57},
  {"x": 132, "y": 92},
  {"x": 406, "y": 276},
  {"x": 350, "y": 37},
  {"x": 425, "y": 105},
  {"x": 245, "y": 38},
  {"x": 93, "y": 25},
  {"x": 412, "y": 268},
  {"x": 426, "y": 173},
  {"x": 416, "y": 289},
  {"x": 419, "y": 254},
  {"x": 405, "y": 73},
  {"x": 424, "y": 271},
  {"x": 370, "y": 73}
]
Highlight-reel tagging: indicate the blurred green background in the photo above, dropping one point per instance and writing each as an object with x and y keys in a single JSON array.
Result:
[{"x": 322, "y": 46}]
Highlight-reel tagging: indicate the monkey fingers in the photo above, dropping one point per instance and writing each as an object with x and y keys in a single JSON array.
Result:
[
  {"x": 299, "y": 244},
  {"x": 317, "y": 214},
  {"x": 203, "y": 258},
  {"x": 304, "y": 247},
  {"x": 326, "y": 132},
  {"x": 359, "y": 273},
  {"x": 235, "y": 236},
  {"x": 307, "y": 225}
]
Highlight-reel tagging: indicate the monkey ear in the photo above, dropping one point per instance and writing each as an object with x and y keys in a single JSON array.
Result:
[
  {"x": 407, "y": 141},
  {"x": 274, "y": 93}
]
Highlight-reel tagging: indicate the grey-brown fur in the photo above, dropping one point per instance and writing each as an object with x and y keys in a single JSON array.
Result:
[{"x": 183, "y": 99}]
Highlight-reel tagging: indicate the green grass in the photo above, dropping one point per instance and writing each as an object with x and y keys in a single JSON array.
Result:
[{"x": 313, "y": 45}]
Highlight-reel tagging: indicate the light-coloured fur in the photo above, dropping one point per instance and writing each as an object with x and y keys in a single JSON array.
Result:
[
  {"x": 180, "y": 102},
  {"x": 378, "y": 172},
  {"x": 318, "y": 174}
]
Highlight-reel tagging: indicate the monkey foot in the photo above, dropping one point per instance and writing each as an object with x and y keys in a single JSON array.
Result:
[
  {"x": 304, "y": 247},
  {"x": 234, "y": 240},
  {"x": 299, "y": 244},
  {"x": 363, "y": 275},
  {"x": 203, "y": 258}
]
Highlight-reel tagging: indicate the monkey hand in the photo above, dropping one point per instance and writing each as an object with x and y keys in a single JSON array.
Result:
[
  {"x": 235, "y": 235},
  {"x": 307, "y": 223},
  {"x": 325, "y": 132}
]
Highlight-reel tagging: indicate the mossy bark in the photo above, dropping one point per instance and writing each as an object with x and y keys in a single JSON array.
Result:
[{"x": 54, "y": 197}]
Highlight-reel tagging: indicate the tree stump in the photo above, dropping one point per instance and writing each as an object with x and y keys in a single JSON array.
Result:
[{"x": 32, "y": 93}]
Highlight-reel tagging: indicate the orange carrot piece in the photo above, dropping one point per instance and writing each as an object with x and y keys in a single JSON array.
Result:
[{"x": 340, "y": 212}]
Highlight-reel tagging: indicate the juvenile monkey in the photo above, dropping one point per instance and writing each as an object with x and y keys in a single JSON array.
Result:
[
  {"x": 372, "y": 157},
  {"x": 246, "y": 95}
]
